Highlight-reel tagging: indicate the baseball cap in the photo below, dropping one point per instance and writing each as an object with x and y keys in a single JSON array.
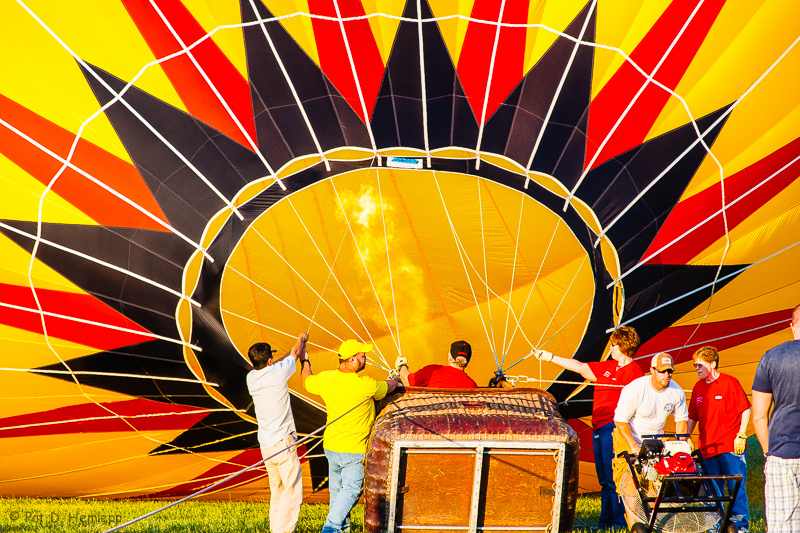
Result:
[
  {"x": 350, "y": 347},
  {"x": 680, "y": 463},
  {"x": 662, "y": 361},
  {"x": 461, "y": 349}
]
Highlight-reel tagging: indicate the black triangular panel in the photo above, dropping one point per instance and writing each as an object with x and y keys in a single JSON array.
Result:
[
  {"x": 183, "y": 196},
  {"x": 154, "y": 255},
  {"x": 154, "y": 358},
  {"x": 205, "y": 434},
  {"x": 397, "y": 119},
  {"x": 646, "y": 288},
  {"x": 515, "y": 126},
  {"x": 614, "y": 185},
  {"x": 279, "y": 121},
  {"x": 652, "y": 285}
]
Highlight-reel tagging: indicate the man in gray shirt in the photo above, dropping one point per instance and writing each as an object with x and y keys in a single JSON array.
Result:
[{"x": 776, "y": 382}]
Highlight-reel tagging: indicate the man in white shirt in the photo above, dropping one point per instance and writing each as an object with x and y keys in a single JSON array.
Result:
[
  {"x": 268, "y": 386},
  {"x": 643, "y": 408}
]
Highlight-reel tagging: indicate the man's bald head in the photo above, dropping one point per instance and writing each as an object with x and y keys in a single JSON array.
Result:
[{"x": 796, "y": 323}]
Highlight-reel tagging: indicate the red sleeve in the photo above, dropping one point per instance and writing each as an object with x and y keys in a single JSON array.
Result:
[
  {"x": 421, "y": 377},
  {"x": 740, "y": 397},
  {"x": 693, "y": 403}
]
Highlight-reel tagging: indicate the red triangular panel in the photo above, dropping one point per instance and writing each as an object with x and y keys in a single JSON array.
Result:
[
  {"x": 476, "y": 54},
  {"x": 333, "y": 57},
  {"x": 18, "y": 309},
  {"x": 193, "y": 89},
  {"x": 102, "y": 206},
  {"x": 132, "y": 415},
  {"x": 617, "y": 94},
  {"x": 782, "y": 168}
]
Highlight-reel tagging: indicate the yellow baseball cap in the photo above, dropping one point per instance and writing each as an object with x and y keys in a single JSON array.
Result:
[{"x": 350, "y": 347}]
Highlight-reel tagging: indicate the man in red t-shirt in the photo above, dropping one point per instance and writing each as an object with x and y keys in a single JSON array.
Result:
[
  {"x": 720, "y": 406},
  {"x": 609, "y": 377},
  {"x": 450, "y": 376}
]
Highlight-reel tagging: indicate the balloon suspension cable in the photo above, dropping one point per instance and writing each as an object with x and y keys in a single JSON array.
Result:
[{"x": 235, "y": 474}]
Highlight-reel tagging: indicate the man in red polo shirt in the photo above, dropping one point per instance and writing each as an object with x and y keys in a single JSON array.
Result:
[
  {"x": 615, "y": 372},
  {"x": 721, "y": 408},
  {"x": 450, "y": 376}
]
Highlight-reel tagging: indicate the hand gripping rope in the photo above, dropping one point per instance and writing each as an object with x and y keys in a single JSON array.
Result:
[{"x": 220, "y": 482}]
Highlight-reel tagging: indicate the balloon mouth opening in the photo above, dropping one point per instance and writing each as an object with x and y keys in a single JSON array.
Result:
[{"x": 408, "y": 260}]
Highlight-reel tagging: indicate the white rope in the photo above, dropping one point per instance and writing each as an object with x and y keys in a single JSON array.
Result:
[
  {"x": 321, "y": 298},
  {"x": 219, "y": 96},
  {"x": 355, "y": 77},
  {"x": 366, "y": 270},
  {"x": 563, "y": 297},
  {"x": 558, "y": 92},
  {"x": 703, "y": 222},
  {"x": 283, "y": 302},
  {"x": 489, "y": 85},
  {"x": 722, "y": 117},
  {"x": 232, "y": 476},
  {"x": 101, "y": 263},
  {"x": 493, "y": 344},
  {"x": 731, "y": 275},
  {"x": 461, "y": 256},
  {"x": 389, "y": 264},
  {"x": 113, "y": 374},
  {"x": 330, "y": 267},
  {"x": 631, "y": 103},
  {"x": 513, "y": 274},
  {"x": 423, "y": 84},
  {"x": 533, "y": 286},
  {"x": 291, "y": 86}
]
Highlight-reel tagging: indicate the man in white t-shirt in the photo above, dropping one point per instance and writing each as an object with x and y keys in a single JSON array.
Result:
[
  {"x": 643, "y": 408},
  {"x": 268, "y": 386}
]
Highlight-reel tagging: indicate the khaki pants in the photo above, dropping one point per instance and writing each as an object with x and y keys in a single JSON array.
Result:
[
  {"x": 620, "y": 465},
  {"x": 285, "y": 485}
]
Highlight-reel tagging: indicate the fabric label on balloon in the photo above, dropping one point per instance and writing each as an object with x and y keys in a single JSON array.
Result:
[{"x": 404, "y": 162}]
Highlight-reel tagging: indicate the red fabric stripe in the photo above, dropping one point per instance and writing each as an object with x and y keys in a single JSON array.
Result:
[
  {"x": 476, "y": 54},
  {"x": 69, "y": 304},
  {"x": 177, "y": 420},
  {"x": 215, "y": 474},
  {"x": 617, "y": 94},
  {"x": 333, "y": 53},
  {"x": 103, "y": 207},
  {"x": 187, "y": 80},
  {"x": 584, "y": 432},
  {"x": 700, "y": 206},
  {"x": 735, "y": 332}
]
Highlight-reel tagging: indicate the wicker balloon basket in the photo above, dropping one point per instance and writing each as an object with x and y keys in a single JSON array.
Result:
[{"x": 471, "y": 460}]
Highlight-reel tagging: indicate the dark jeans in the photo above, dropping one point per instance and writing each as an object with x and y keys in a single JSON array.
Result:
[
  {"x": 612, "y": 512},
  {"x": 726, "y": 464}
]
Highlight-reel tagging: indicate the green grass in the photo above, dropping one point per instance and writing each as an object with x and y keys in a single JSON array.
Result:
[{"x": 72, "y": 515}]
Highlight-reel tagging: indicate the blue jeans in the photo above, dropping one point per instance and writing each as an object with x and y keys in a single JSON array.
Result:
[
  {"x": 612, "y": 512},
  {"x": 345, "y": 481},
  {"x": 726, "y": 464}
]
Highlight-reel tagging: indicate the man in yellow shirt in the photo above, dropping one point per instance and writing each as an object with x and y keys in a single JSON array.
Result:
[{"x": 345, "y": 440}]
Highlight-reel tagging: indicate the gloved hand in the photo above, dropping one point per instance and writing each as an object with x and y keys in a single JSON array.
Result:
[
  {"x": 739, "y": 443},
  {"x": 691, "y": 444},
  {"x": 400, "y": 361},
  {"x": 543, "y": 355}
]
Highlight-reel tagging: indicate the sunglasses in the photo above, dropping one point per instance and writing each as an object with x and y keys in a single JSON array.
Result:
[{"x": 667, "y": 371}]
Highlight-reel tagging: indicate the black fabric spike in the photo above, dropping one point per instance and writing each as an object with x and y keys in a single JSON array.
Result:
[
  {"x": 154, "y": 358},
  {"x": 186, "y": 200},
  {"x": 279, "y": 121},
  {"x": 154, "y": 255},
  {"x": 398, "y": 118},
  {"x": 514, "y": 127},
  {"x": 614, "y": 185}
]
